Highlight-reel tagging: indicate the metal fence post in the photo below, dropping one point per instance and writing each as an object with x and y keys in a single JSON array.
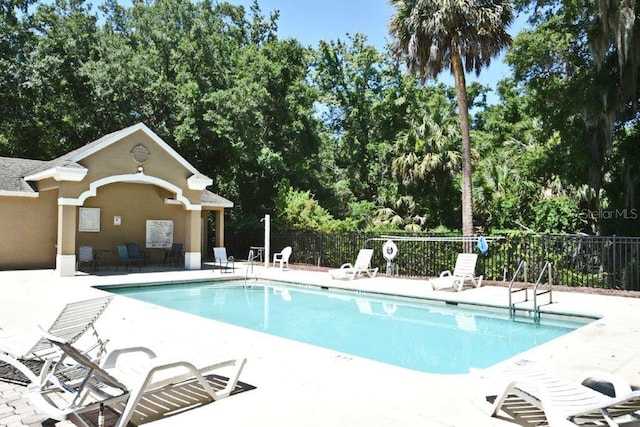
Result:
[{"x": 615, "y": 263}]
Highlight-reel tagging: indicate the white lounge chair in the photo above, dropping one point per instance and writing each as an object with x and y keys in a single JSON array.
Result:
[
  {"x": 132, "y": 385},
  {"x": 220, "y": 257},
  {"x": 362, "y": 266},
  {"x": 282, "y": 257},
  {"x": 464, "y": 271},
  {"x": 23, "y": 353},
  {"x": 526, "y": 391}
]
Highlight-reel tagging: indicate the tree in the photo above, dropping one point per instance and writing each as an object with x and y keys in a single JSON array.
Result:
[
  {"x": 16, "y": 41},
  {"x": 359, "y": 90},
  {"x": 580, "y": 65},
  {"x": 47, "y": 105},
  {"x": 431, "y": 35},
  {"x": 427, "y": 156}
]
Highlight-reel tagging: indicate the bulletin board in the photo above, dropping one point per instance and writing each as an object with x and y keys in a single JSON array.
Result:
[
  {"x": 159, "y": 233},
  {"x": 89, "y": 220}
]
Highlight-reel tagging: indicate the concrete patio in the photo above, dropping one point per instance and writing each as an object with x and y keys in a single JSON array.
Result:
[{"x": 303, "y": 385}]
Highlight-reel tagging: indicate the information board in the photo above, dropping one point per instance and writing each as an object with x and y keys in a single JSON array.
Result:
[
  {"x": 159, "y": 233},
  {"x": 89, "y": 219}
]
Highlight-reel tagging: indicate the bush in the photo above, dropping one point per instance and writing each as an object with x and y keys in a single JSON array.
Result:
[
  {"x": 300, "y": 211},
  {"x": 556, "y": 215}
]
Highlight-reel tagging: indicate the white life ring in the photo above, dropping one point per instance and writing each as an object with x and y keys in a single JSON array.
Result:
[{"x": 389, "y": 250}]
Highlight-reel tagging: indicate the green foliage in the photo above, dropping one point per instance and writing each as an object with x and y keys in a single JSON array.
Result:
[
  {"x": 580, "y": 70},
  {"x": 363, "y": 99},
  {"x": 365, "y": 145},
  {"x": 300, "y": 211},
  {"x": 556, "y": 215},
  {"x": 461, "y": 36}
]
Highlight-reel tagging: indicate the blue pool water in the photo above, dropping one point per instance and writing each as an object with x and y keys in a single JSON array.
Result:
[{"x": 429, "y": 337}]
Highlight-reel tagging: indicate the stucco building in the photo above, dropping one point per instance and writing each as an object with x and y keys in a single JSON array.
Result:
[{"x": 128, "y": 186}]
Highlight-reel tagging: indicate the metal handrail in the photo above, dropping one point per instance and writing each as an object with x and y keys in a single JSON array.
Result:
[
  {"x": 546, "y": 267},
  {"x": 249, "y": 266},
  {"x": 522, "y": 265}
]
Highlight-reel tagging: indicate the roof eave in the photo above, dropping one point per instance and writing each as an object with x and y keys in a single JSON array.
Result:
[
  {"x": 34, "y": 194},
  {"x": 226, "y": 204},
  {"x": 59, "y": 173},
  {"x": 199, "y": 183}
]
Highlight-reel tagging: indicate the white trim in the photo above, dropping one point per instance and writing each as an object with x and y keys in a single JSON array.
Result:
[
  {"x": 192, "y": 260},
  {"x": 18, "y": 194},
  {"x": 66, "y": 265},
  {"x": 138, "y": 178},
  {"x": 117, "y": 136},
  {"x": 213, "y": 205},
  {"x": 59, "y": 173},
  {"x": 196, "y": 183}
]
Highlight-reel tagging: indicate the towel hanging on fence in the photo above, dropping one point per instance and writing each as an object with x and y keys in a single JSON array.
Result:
[{"x": 483, "y": 246}]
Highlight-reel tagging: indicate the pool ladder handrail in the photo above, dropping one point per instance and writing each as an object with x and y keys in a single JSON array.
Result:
[
  {"x": 512, "y": 305},
  {"x": 536, "y": 294},
  {"x": 536, "y": 306},
  {"x": 249, "y": 264},
  {"x": 249, "y": 268}
]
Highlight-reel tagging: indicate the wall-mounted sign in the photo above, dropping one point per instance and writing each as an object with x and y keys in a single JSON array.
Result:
[
  {"x": 159, "y": 233},
  {"x": 89, "y": 219},
  {"x": 117, "y": 220}
]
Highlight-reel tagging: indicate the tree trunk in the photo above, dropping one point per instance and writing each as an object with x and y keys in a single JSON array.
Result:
[{"x": 463, "y": 114}]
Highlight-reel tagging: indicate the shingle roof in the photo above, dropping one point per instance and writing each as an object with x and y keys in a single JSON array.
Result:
[
  {"x": 212, "y": 199},
  {"x": 12, "y": 172}
]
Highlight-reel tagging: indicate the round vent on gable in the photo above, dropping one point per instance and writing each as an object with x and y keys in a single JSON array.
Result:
[{"x": 140, "y": 153}]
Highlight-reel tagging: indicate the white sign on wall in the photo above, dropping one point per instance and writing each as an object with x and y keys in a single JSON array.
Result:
[
  {"x": 159, "y": 233},
  {"x": 89, "y": 219}
]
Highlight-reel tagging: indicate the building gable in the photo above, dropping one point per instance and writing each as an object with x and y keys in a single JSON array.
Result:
[{"x": 132, "y": 154}]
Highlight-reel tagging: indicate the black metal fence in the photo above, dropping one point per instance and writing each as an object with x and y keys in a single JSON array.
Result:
[{"x": 577, "y": 260}]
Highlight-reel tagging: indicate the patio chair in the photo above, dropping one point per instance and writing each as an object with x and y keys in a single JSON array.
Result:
[
  {"x": 175, "y": 255},
  {"x": 464, "y": 271},
  {"x": 135, "y": 253},
  {"x": 136, "y": 390},
  {"x": 361, "y": 267},
  {"x": 526, "y": 391},
  {"x": 220, "y": 257},
  {"x": 23, "y": 354},
  {"x": 124, "y": 258},
  {"x": 85, "y": 256},
  {"x": 282, "y": 257}
]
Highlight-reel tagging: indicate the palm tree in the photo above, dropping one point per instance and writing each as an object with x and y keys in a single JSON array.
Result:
[
  {"x": 427, "y": 149},
  {"x": 461, "y": 35}
]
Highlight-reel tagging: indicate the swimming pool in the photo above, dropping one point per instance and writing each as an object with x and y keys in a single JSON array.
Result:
[{"x": 425, "y": 336}]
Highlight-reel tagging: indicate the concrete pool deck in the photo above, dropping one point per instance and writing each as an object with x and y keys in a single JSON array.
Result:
[{"x": 303, "y": 385}]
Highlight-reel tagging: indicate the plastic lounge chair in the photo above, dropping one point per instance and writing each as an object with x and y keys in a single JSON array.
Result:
[
  {"x": 463, "y": 272},
  {"x": 282, "y": 257},
  {"x": 85, "y": 256},
  {"x": 135, "y": 254},
  {"x": 361, "y": 267},
  {"x": 123, "y": 254},
  {"x": 220, "y": 257},
  {"x": 137, "y": 389},
  {"x": 22, "y": 355},
  {"x": 524, "y": 390}
]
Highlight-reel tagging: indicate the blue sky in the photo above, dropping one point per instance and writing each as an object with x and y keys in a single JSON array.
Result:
[{"x": 310, "y": 21}]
